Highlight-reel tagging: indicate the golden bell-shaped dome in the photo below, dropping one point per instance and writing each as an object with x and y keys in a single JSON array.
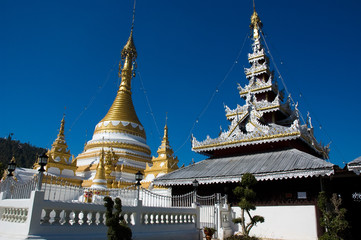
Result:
[{"x": 121, "y": 116}]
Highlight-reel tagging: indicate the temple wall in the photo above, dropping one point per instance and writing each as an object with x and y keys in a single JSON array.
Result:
[{"x": 283, "y": 222}]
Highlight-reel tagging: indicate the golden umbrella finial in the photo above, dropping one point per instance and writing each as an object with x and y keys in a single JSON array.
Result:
[{"x": 256, "y": 23}]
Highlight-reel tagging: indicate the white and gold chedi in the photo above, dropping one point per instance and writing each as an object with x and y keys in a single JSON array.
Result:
[
  {"x": 164, "y": 163},
  {"x": 120, "y": 134}
]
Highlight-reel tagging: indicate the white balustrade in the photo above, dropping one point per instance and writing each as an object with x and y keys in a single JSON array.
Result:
[{"x": 52, "y": 213}]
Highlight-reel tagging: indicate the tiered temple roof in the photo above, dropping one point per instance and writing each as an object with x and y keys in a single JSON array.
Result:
[
  {"x": 265, "y": 136},
  {"x": 265, "y": 117}
]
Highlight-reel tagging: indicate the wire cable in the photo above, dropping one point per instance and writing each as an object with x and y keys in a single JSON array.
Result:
[
  {"x": 148, "y": 103},
  {"x": 212, "y": 96}
]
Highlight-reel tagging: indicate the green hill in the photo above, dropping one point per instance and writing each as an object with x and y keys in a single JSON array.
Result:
[{"x": 24, "y": 153}]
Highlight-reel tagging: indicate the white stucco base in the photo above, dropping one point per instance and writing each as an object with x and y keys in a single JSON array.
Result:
[{"x": 283, "y": 222}]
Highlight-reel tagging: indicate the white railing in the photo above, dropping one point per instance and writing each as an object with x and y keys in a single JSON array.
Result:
[
  {"x": 152, "y": 199},
  {"x": 14, "y": 190},
  {"x": 207, "y": 200},
  {"x": 77, "y": 220},
  {"x": 56, "y": 189},
  {"x": 60, "y": 190}
]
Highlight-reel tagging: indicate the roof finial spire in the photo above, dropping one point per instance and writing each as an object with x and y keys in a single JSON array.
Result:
[
  {"x": 256, "y": 23},
  {"x": 128, "y": 57},
  {"x": 131, "y": 30},
  {"x": 61, "y": 130}
]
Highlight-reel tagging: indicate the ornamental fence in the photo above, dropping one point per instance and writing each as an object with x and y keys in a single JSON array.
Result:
[
  {"x": 15, "y": 190},
  {"x": 56, "y": 189},
  {"x": 63, "y": 208}
]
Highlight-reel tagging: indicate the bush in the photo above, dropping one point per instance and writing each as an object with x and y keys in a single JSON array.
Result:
[
  {"x": 246, "y": 197},
  {"x": 117, "y": 228}
]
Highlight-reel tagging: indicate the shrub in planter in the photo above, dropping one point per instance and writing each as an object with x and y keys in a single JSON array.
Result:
[{"x": 209, "y": 232}]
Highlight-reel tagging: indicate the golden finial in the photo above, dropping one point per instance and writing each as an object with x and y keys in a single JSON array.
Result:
[
  {"x": 61, "y": 130},
  {"x": 165, "y": 141},
  {"x": 128, "y": 56},
  {"x": 122, "y": 108},
  {"x": 256, "y": 23}
]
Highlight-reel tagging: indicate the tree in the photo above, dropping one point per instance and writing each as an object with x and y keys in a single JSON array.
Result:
[
  {"x": 117, "y": 227},
  {"x": 333, "y": 217},
  {"x": 2, "y": 170},
  {"x": 246, "y": 197}
]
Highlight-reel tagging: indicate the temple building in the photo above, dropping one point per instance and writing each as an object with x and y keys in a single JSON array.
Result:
[
  {"x": 119, "y": 135},
  {"x": 265, "y": 137}
]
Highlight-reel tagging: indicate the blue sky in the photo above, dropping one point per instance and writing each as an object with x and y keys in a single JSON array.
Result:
[{"x": 57, "y": 54}]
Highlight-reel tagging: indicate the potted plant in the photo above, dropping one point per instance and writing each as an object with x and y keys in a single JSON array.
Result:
[{"x": 209, "y": 232}]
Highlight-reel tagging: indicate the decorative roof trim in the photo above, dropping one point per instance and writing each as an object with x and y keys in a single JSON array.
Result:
[
  {"x": 259, "y": 177},
  {"x": 248, "y": 141}
]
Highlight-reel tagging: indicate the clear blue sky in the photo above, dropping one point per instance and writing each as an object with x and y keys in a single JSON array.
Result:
[{"x": 57, "y": 54}]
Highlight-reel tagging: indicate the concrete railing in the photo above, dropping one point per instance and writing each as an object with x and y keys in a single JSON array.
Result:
[{"x": 43, "y": 219}]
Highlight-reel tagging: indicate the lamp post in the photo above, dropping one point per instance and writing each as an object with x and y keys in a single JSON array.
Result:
[
  {"x": 138, "y": 178},
  {"x": 42, "y": 160},
  {"x": 11, "y": 168},
  {"x": 195, "y": 184}
]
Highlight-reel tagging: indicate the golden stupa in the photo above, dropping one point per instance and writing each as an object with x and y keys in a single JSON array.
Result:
[{"x": 119, "y": 133}]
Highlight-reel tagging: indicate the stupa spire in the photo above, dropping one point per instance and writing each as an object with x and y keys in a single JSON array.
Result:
[
  {"x": 120, "y": 131},
  {"x": 122, "y": 109},
  {"x": 61, "y": 130},
  {"x": 59, "y": 149}
]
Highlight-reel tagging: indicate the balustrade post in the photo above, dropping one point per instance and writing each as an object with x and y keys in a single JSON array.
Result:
[
  {"x": 157, "y": 218},
  {"x": 92, "y": 218},
  {"x": 56, "y": 219},
  {"x": 46, "y": 218},
  {"x": 101, "y": 219},
  {"x": 85, "y": 217},
  {"x": 76, "y": 217},
  {"x": 66, "y": 217},
  {"x": 172, "y": 218}
]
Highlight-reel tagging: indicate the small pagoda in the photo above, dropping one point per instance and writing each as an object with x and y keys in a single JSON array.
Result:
[
  {"x": 165, "y": 163},
  {"x": 61, "y": 164}
]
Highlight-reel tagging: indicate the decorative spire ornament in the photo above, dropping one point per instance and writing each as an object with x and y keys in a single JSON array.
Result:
[{"x": 256, "y": 23}]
